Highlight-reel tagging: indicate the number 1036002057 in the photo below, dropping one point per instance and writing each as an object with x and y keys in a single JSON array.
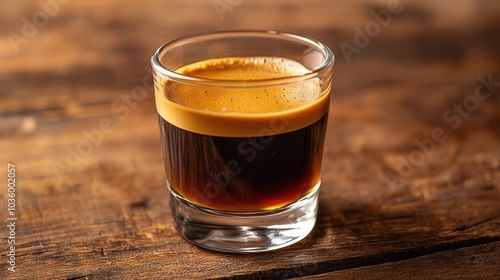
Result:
[{"x": 11, "y": 189}]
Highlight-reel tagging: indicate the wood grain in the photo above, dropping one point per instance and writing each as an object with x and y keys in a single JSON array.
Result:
[{"x": 394, "y": 202}]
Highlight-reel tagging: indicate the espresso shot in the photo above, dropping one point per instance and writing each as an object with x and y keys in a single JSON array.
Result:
[
  {"x": 243, "y": 117},
  {"x": 210, "y": 165}
]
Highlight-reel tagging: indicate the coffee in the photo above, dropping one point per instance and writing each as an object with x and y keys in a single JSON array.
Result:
[{"x": 243, "y": 148}]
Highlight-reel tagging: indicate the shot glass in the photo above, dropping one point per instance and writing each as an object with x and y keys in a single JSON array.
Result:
[{"x": 242, "y": 117}]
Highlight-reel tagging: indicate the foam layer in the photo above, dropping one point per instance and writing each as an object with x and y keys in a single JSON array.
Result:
[
  {"x": 245, "y": 68},
  {"x": 244, "y": 112}
]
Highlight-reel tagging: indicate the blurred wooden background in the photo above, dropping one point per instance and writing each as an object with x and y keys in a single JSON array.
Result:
[{"x": 411, "y": 181}]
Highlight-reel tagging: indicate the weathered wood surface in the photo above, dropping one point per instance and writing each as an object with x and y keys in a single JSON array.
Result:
[{"x": 411, "y": 182}]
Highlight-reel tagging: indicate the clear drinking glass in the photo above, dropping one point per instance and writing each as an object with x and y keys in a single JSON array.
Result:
[{"x": 242, "y": 116}]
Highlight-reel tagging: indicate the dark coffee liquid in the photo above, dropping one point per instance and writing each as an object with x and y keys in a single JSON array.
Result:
[{"x": 243, "y": 173}]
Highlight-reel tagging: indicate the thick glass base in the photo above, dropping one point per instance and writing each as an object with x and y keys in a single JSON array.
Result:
[{"x": 239, "y": 232}]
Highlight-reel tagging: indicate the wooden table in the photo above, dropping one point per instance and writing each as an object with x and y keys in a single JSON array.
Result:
[{"x": 411, "y": 178}]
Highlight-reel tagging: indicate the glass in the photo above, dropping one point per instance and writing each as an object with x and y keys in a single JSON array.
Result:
[{"x": 243, "y": 116}]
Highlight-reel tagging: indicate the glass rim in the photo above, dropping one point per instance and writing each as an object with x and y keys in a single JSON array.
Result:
[{"x": 165, "y": 71}]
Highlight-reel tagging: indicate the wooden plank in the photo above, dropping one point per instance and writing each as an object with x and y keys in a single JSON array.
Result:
[
  {"x": 119, "y": 215},
  {"x": 471, "y": 262}
]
